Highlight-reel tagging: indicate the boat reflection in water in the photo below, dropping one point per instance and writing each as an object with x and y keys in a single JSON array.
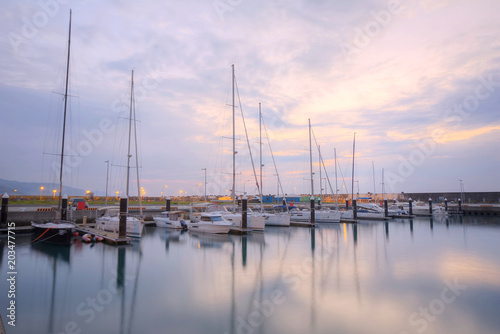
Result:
[{"x": 336, "y": 278}]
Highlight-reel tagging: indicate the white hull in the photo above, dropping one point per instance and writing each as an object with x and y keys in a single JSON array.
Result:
[
  {"x": 280, "y": 219},
  {"x": 112, "y": 224},
  {"x": 254, "y": 222},
  {"x": 319, "y": 216},
  {"x": 167, "y": 223},
  {"x": 204, "y": 227}
]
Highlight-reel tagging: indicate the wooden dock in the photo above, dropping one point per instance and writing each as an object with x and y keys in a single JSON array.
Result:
[
  {"x": 18, "y": 229},
  {"x": 109, "y": 237},
  {"x": 348, "y": 221},
  {"x": 240, "y": 230}
]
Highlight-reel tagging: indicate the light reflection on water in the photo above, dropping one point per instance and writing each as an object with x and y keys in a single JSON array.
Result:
[{"x": 423, "y": 275}]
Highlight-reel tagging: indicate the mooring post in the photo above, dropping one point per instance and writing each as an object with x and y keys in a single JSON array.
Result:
[
  {"x": 284, "y": 202},
  {"x": 459, "y": 205},
  {"x": 168, "y": 204},
  {"x": 5, "y": 210},
  {"x": 354, "y": 210},
  {"x": 446, "y": 205},
  {"x": 64, "y": 208},
  {"x": 122, "y": 228},
  {"x": 386, "y": 208},
  {"x": 430, "y": 206},
  {"x": 346, "y": 204},
  {"x": 319, "y": 203},
  {"x": 410, "y": 205},
  {"x": 84, "y": 221},
  {"x": 244, "y": 209},
  {"x": 313, "y": 213}
]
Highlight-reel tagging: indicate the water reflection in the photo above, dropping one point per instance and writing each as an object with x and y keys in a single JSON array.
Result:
[{"x": 345, "y": 278}]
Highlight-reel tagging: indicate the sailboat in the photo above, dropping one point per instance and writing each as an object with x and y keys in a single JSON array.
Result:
[
  {"x": 109, "y": 217},
  {"x": 277, "y": 218},
  {"x": 321, "y": 216},
  {"x": 60, "y": 230}
]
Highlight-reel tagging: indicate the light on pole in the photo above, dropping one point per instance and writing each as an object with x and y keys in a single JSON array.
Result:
[
  {"x": 41, "y": 189},
  {"x": 54, "y": 196},
  {"x": 205, "y": 185},
  {"x": 244, "y": 192}
]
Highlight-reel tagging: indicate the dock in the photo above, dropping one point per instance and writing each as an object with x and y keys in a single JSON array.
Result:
[
  {"x": 240, "y": 230},
  {"x": 109, "y": 237},
  {"x": 302, "y": 224}
]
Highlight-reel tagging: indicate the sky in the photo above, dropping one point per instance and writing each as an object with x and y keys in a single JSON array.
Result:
[{"x": 418, "y": 82}]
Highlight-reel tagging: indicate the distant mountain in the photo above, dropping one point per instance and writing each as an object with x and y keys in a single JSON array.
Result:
[{"x": 33, "y": 188}]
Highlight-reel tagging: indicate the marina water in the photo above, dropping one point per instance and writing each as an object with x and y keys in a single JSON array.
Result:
[{"x": 423, "y": 275}]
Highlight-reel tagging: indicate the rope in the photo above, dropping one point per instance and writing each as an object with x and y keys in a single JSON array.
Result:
[
  {"x": 41, "y": 235},
  {"x": 45, "y": 238}
]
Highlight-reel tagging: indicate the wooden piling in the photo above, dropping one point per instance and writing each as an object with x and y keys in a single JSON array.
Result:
[
  {"x": 168, "y": 204},
  {"x": 386, "y": 208},
  {"x": 430, "y": 206},
  {"x": 244, "y": 213},
  {"x": 122, "y": 229},
  {"x": 410, "y": 204},
  {"x": 354, "y": 210},
  {"x": 64, "y": 208},
  {"x": 313, "y": 212},
  {"x": 5, "y": 210}
]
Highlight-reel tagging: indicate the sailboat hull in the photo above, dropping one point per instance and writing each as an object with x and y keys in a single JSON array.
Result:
[{"x": 53, "y": 233}]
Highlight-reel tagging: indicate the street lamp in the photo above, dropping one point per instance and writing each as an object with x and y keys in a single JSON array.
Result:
[
  {"x": 462, "y": 195},
  {"x": 41, "y": 189},
  {"x": 88, "y": 194},
  {"x": 54, "y": 196},
  {"x": 244, "y": 192},
  {"x": 117, "y": 193},
  {"x": 205, "y": 183}
]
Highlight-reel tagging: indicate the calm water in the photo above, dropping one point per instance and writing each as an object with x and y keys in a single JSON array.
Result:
[{"x": 428, "y": 276}]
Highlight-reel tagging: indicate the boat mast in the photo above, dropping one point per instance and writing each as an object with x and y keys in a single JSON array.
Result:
[
  {"x": 233, "y": 194},
  {"x": 261, "y": 165},
  {"x": 320, "y": 182},
  {"x": 353, "y": 152},
  {"x": 374, "y": 192},
  {"x": 137, "y": 164},
  {"x": 336, "y": 186},
  {"x": 310, "y": 159},
  {"x": 130, "y": 131},
  {"x": 64, "y": 119}
]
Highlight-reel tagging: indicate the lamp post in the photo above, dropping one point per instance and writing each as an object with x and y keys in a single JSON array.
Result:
[
  {"x": 54, "y": 196},
  {"x": 41, "y": 189},
  {"x": 88, "y": 194},
  {"x": 244, "y": 192},
  {"x": 117, "y": 193},
  {"x": 462, "y": 197},
  {"x": 205, "y": 185}
]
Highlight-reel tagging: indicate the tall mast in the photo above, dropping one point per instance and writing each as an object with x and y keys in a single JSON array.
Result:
[
  {"x": 320, "y": 184},
  {"x": 336, "y": 186},
  {"x": 137, "y": 164},
  {"x": 260, "y": 145},
  {"x": 130, "y": 130},
  {"x": 233, "y": 194},
  {"x": 311, "y": 159},
  {"x": 353, "y": 153},
  {"x": 64, "y": 119},
  {"x": 374, "y": 189}
]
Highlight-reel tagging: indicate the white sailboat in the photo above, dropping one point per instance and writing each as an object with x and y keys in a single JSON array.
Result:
[
  {"x": 321, "y": 216},
  {"x": 109, "y": 219}
]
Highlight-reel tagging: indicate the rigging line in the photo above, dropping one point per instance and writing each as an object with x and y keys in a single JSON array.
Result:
[
  {"x": 246, "y": 133},
  {"x": 274, "y": 162},
  {"x": 323, "y": 163}
]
